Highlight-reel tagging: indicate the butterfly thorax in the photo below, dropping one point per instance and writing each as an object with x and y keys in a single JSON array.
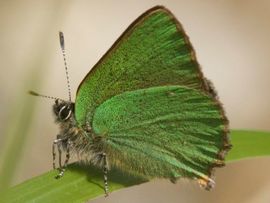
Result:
[{"x": 81, "y": 139}]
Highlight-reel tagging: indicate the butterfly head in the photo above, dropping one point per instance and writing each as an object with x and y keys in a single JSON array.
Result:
[{"x": 63, "y": 110}]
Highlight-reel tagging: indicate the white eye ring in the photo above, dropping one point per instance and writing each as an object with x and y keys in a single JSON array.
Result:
[{"x": 67, "y": 117}]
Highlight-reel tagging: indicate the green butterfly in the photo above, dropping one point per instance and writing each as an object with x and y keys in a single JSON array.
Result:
[{"x": 146, "y": 107}]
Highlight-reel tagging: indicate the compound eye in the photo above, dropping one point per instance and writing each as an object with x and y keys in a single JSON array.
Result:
[{"x": 64, "y": 113}]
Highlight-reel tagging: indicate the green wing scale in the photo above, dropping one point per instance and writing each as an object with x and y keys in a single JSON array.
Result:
[
  {"x": 153, "y": 51},
  {"x": 149, "y": 101},
  {"x": 167, "y": 131}
]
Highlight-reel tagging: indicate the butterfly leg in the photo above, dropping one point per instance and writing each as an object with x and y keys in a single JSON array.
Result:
[
  {"x": 55, "y": 142},
  {"x": 61, "y": 168},
  {"x": 88, "y": 129},
  {"x": 105, "y": 172}
]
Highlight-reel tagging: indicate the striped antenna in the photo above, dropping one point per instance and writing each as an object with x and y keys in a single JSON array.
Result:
[
  {"x": 45, "y": 96},
  {"x": 62, "y": 44}
]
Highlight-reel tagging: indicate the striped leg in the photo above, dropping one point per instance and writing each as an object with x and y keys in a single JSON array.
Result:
[
  {"x": 105, "y": 172},
  {"x": 55, "y": 142},
  {"x": 61, "y": 168}
]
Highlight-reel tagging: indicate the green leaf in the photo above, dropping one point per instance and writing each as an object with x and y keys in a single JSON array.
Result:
[
  {"x": 81, "y": 183},
  {"x": 247, "y": 144}
]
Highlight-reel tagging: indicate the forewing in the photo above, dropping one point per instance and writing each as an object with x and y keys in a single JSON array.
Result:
[
  {"x": 153, "y": 51},
  {"x": 169, "y": 131}
]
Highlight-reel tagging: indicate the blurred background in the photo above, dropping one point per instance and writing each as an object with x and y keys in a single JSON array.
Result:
[{"x": 231, "y": 39}]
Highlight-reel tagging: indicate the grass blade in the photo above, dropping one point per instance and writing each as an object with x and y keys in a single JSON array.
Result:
[
  {"x": 247, "y": 144},
  {"x": 82, "y": 183}
]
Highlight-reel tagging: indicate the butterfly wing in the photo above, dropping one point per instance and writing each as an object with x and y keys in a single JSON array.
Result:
[
  {"x": 167, "y": 131},
  {"x": 153, "y": 51}
]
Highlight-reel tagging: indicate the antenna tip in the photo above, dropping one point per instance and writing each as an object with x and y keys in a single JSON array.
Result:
[
  {"x": 33, "y": 93},
  {"x": 62, "y": 41}
]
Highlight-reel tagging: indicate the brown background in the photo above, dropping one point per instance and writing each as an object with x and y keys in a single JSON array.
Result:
[{"x": 232, "y": 41}]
